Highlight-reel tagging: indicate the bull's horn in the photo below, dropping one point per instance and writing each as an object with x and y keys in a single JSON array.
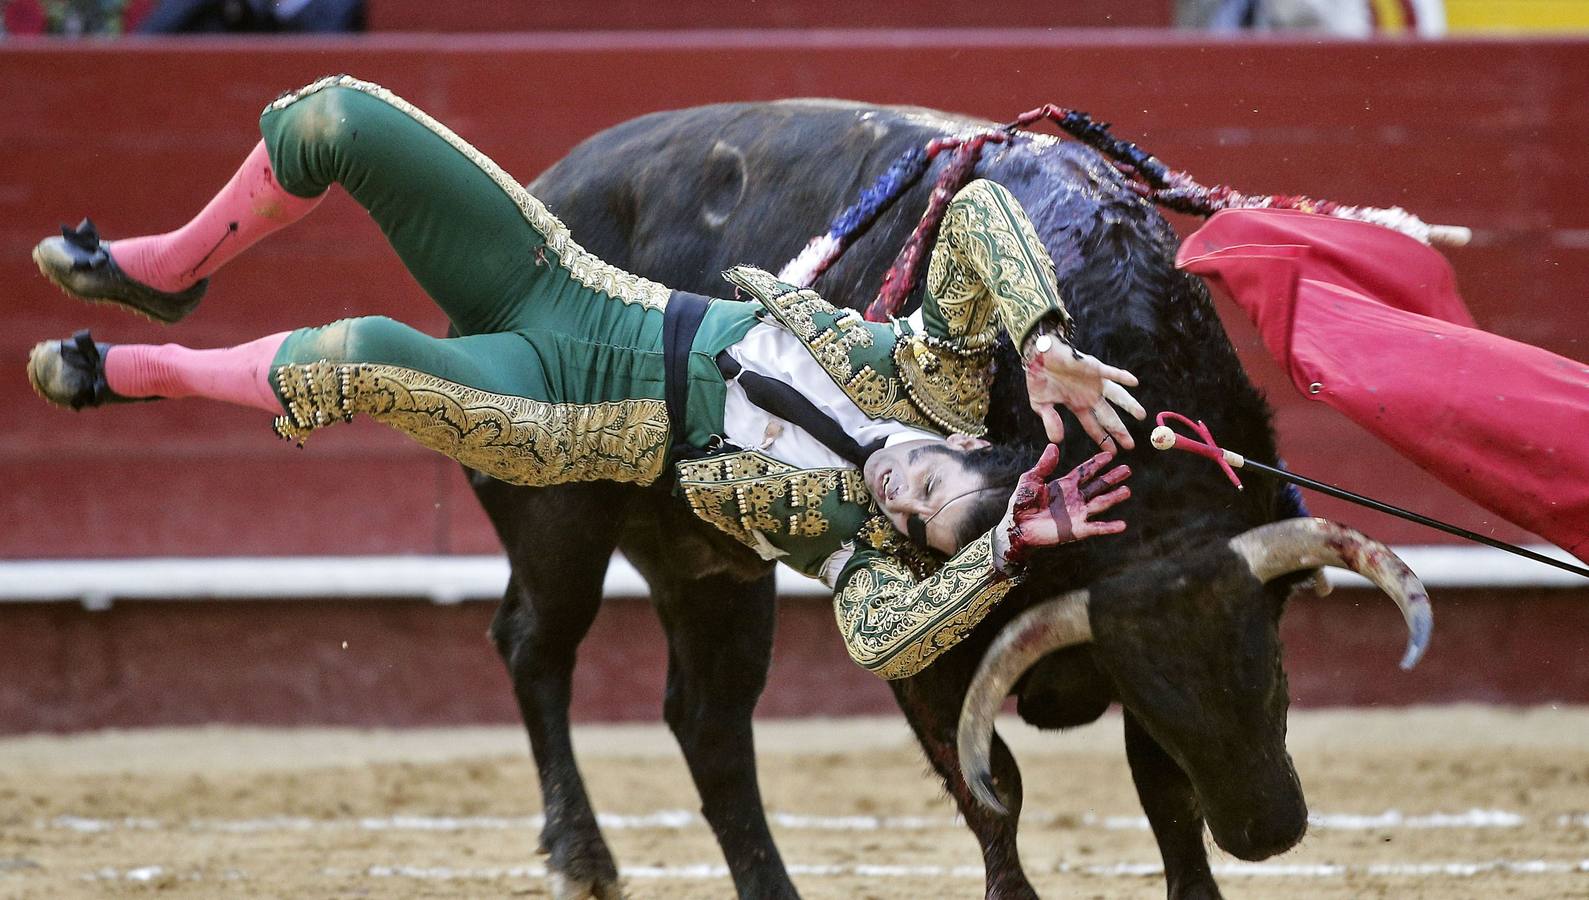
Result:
[
  {"x": 1292, "y": 545},
  {"x": 1053, "y": 625}
]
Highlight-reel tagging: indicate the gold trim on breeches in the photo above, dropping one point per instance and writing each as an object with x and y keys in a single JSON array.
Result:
[{"x": 514, "y": 439}]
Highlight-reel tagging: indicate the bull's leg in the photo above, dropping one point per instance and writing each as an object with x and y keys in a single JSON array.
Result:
[
  {"x": 558, "y": 541},
  {"x": 931, "y": 701},
  {"x": 1172, "y": 811},
  {"x": 720, "y": 633}
]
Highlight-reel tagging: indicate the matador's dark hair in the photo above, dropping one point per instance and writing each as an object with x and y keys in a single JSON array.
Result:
[{"x": 1000, "y": 467}]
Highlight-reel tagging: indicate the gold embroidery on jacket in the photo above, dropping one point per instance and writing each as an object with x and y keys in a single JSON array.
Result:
[
  {"x": 832, "y": 347},
  {"x": 950, "y": 388},
  {"x": 877, "y": 395},
  {"x": 989, "y": 260},
  {"x": 514, "y": 439},
  {"x": 736, "y": 493},
  {"x": 987, "y": 265},
  {"x": 584, "y": 266},
  {"x": 895, "y": 622},
  {"x": 877, "y": 533}
]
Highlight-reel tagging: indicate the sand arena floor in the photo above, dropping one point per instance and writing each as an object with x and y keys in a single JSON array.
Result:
[{"x": 1428, "y": 803}]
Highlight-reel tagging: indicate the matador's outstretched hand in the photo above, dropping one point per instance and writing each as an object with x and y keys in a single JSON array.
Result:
[
  {"x": 1058, "y": 374},
  {"x": 1045, "y": 513}
]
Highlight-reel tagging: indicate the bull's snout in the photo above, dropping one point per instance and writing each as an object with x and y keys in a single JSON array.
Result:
[{"x": 1258, "y": 837}]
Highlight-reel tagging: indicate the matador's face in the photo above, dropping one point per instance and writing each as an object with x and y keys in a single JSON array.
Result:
[{"x": 926, "y": 481}]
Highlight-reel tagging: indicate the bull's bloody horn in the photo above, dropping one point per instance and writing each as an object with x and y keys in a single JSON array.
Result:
[
  {"x": 1269, "y": 551},
  {"x": 1281, "y": 548},
  {"x": 1054, "y": 625}
]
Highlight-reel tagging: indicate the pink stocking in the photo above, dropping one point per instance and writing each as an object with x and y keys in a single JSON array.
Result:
[
  {"x": 251, "y": 206},
  {"x": 238, "y": 374}
]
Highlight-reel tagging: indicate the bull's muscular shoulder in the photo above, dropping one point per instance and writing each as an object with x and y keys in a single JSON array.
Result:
[{"x": 680, "y": 196}]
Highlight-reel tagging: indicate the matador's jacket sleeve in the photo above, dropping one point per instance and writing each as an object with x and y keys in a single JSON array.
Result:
[
  {"x": 897, "y": 605},
  {"x": 988, "y": 268},
  {"x": 898, "y": 608}
]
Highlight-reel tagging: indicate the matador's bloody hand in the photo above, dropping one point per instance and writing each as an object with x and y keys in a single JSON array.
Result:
[{"x": 1045, "y": 513}]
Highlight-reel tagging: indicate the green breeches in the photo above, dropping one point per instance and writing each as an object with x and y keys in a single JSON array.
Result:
[{"x": 557, "y": 374}]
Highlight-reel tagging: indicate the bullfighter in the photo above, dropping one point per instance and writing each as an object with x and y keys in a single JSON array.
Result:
[{"x": 847, "y": 449}]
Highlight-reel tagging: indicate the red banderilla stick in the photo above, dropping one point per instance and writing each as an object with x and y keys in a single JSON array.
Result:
[{"x": 1165, "y": 438}]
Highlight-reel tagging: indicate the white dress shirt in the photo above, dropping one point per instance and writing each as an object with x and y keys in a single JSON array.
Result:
[{"x": 774, "y": 352}]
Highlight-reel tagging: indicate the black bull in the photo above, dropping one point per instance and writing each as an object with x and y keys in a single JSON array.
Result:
[{"x": 1183, "y": 635}]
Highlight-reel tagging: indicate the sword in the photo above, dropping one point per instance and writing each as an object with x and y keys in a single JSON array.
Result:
[{"x": 1166, "y": 438}]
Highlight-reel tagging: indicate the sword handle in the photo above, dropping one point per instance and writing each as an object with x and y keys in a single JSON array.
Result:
[{"x": 1165, "y": 438}]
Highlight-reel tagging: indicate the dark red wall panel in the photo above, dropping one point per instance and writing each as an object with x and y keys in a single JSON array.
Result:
[
  {"x": 496, "y": 16},
  {"x": 411, "y": 663},
  {"x": 138, "y": 134}
]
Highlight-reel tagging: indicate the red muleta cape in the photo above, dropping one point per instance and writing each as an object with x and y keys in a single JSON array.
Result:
[{"x": 1369, "y": 321}]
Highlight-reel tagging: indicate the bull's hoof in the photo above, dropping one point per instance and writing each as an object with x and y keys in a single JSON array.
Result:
[
  {"x": 578, "y": 863},
  {"x": 567, "y": 887},
  {"x": 1011, "y": 887}
]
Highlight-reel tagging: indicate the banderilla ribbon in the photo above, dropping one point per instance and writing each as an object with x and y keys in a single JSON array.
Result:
[{"x": 1166, "y": 438}]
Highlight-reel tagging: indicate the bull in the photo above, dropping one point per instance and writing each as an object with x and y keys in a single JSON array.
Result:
[{"x": 1177, "y": 619}]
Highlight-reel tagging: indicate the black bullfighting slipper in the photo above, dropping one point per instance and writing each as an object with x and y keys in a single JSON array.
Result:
[
  {"x": 79, "y": 264},
  {"x": 71, "y": 373}
]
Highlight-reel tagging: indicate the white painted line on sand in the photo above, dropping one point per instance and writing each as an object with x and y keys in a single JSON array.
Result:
[
  {"x": 677, "y": 819},
  {"x": 715, "y": 871},
  {"x": 1452, "y": 869},
  {"x": 1391, "y": 818}
]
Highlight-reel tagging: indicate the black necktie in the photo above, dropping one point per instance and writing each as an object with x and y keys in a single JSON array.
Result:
[{"x": 788, "y": 404}]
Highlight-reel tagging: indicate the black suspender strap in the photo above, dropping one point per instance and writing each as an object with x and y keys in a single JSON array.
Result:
[
  {"x": 786, "y": 403},
  {"x": 680, "y": 321}
]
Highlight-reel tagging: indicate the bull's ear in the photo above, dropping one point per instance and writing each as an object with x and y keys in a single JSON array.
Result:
[{"x": 966, "y": 443}]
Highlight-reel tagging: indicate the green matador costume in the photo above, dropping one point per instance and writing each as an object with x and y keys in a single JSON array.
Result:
[{"x": 558, "y": 372}]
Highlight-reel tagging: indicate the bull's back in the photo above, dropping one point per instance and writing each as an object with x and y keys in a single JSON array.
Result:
[
  {"x": 680, "y": 196},
  {"x": 688, "y": 193}
]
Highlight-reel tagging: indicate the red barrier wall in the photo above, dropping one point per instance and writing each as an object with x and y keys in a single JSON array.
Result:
[
  {"x": 139, "y": 134},
  {"x": 410, "y": 663}
]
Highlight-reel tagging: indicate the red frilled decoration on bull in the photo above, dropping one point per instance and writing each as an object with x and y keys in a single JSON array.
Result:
[
  {"x": 1144, "y": 173},
  {"x": 900, "y": 279},
  {"x": 1363, "y": 315},
  {"x": 1368, "y": 320}
]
